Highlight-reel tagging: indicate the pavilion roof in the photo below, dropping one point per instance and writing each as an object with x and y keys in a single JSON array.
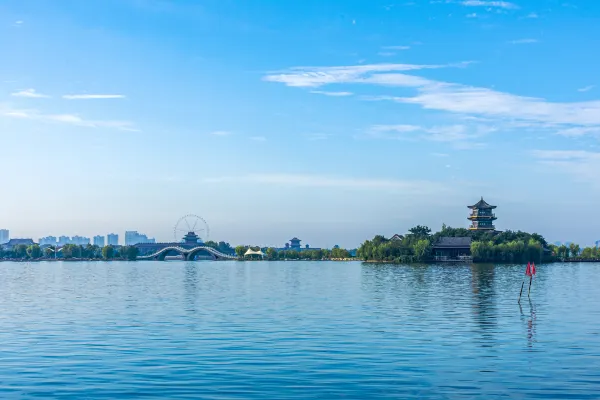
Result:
[{"x": 482, "y": 204}]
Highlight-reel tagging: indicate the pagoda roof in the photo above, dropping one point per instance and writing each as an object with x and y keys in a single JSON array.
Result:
[
  {"x": 295, "y": 239},
  {"x": 482, "y": 204}
]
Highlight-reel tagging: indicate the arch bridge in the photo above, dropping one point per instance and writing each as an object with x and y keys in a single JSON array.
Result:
[{"x": 188, "y": 254}]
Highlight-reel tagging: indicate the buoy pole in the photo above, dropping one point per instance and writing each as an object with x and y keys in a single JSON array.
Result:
[{"x": 521, "y": 292}]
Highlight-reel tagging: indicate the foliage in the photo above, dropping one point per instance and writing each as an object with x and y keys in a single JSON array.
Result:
[
  {"x": 417, "y": 246},
  {"x": 108, "y": 252},
  {"x": 129, "y": 252},
  {"x": 240, "y": 250},
  {"x": 20, "y": 251},
  {"x": 34, "y": 251}
]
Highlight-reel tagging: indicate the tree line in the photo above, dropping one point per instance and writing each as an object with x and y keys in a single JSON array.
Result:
[
  {"x": 273, "y": 254},
  {"x": 70, "y": 251},
  {"x": 508, "y": 246}
]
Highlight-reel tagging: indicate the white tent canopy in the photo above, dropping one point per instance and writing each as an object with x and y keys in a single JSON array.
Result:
[{"x": 251, "y": 252}]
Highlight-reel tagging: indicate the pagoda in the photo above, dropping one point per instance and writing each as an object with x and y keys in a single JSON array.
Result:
[{"x": 482, "y": 216}]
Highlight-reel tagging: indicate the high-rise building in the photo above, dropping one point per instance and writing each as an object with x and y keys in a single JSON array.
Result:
[
  {"x": 63, "y": 240},
  {"x": 4, "y": 236},
  {"x": 133, "y": 238},
  {"x": 80, "y": 240},
  {"x": 48, "y": 241},
  {"x": 99, "y": 241},
  {"x": 112, "y": 239}
]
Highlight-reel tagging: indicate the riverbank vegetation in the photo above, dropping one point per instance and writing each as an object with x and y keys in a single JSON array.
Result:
[
  {"x": 273, "y": 254},
  {"x": 69, "y": 252},
  {"x": 508, "y": 246}
]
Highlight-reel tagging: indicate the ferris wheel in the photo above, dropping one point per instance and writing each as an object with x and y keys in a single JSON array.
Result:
[{"x": 191, "y": 223}]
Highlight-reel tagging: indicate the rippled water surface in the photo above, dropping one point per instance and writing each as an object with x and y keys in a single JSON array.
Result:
[{"x": 297, "y": 330}]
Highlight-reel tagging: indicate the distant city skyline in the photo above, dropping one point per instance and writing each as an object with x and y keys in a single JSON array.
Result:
[{"x": 333, "y": 121}]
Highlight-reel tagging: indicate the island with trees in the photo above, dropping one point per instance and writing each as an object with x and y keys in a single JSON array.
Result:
[{"x": 485, "y": 246}]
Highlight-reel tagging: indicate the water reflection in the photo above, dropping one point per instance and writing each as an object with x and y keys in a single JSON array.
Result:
[
  {"x": 530, "y": 322},
  {"x": 190, "y": 285},
  {"x": 483, "y": 304}
]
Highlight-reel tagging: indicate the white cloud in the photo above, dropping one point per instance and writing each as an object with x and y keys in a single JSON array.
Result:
[
  {"x": 335, "y": 182},
  {"x": 70, "y": 119},
  {"x": 524, "y": 41},
  {"x": 319, "y": 76},
  {"x": 473, "y": 15},
  {"x": 460, "y": 136},
  {"x": 586, "y": 89},
  {"x": 533, "y": 15},
  {"x": 466, "y": 101},
  {"x": 92, "y": 96},
  {"x": 386, "y": 53},
  {"x": 333, "y": 94},
  {"x": 580, "y": 131},
  {"x": 221, "y": 133},
  {"x": 582, "y": 165},
  {"x": 497, "y": 4},
  {"x": 396, "y": 47},
  {"x": 31, "y": 93}
]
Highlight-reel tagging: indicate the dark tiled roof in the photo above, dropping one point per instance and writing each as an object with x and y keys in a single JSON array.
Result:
[
  {"x": 453, "y": 242},
  {"x": 16, "y": 242},
  {"x": 397, "y": 237},
  {"x": 481, "y": 204},
  {"x": 294, "y": 239}
]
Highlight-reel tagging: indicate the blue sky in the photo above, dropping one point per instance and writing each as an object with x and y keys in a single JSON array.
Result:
[{"x": 331, "y": 121}]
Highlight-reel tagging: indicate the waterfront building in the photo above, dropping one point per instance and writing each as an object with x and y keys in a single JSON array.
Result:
[
  {"x": 133, "y": 237},
  {"x": 99, "y": 241},
  {"x": 452, "y": 248},
  {"x": 15, "y": 242},
  {"x": 294, "y": 244},
  {"x": 112, "y": 239},
  {"x": 190, "y": 240},
  {"x": 482, "y": 216},
  {"x": 4, "y": 236},
  {"x": 63, "y": 240},
  {"x": 48, "y": 241}
]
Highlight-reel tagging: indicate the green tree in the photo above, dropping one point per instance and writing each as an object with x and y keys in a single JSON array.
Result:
[
  {"x": 271, "y": 253},
  {"x": 240, "y": 250},
  {"x": 420, "y": 231},
  {"x": 574, "y": 249},
  {"x": 34, "y": 251},
  {"x": 108, "y": 252},
  {"x": 422, "y": 249},
  {"x": 131, "y": 253},
  {"x": 20, "y": 251}
]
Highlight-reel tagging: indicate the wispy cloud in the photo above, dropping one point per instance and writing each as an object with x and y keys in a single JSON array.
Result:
[
  {"x": 221, "y": 133},
  {"x": 466, "y": 101},
  {"x": 524, "y": 41},
  {"x": 532, "y": 15},
  {"x": 398, "y": 48},
  {"x": 586, "y": 89},
  {"x": 92, "y": 96},
  {"x": 71, "y": 119},
  {"x": 333, "y": 94},
  {"x": 319, "y": 76},
  {"x": 336, "y": 182},
  {"x": 496, "y": 4},
  {"x": 582, "y": 165},
  {"x": 386, "y": 53},
  {"x": 460, "y": 136},
  {"x": 31, "y": 93}
]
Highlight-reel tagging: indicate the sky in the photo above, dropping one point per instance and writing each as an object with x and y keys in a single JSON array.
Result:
[{"x": 330, "y": 121}]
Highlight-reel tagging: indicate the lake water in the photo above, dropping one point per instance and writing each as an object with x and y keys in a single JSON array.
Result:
[{"x": 305, "y": 330}]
